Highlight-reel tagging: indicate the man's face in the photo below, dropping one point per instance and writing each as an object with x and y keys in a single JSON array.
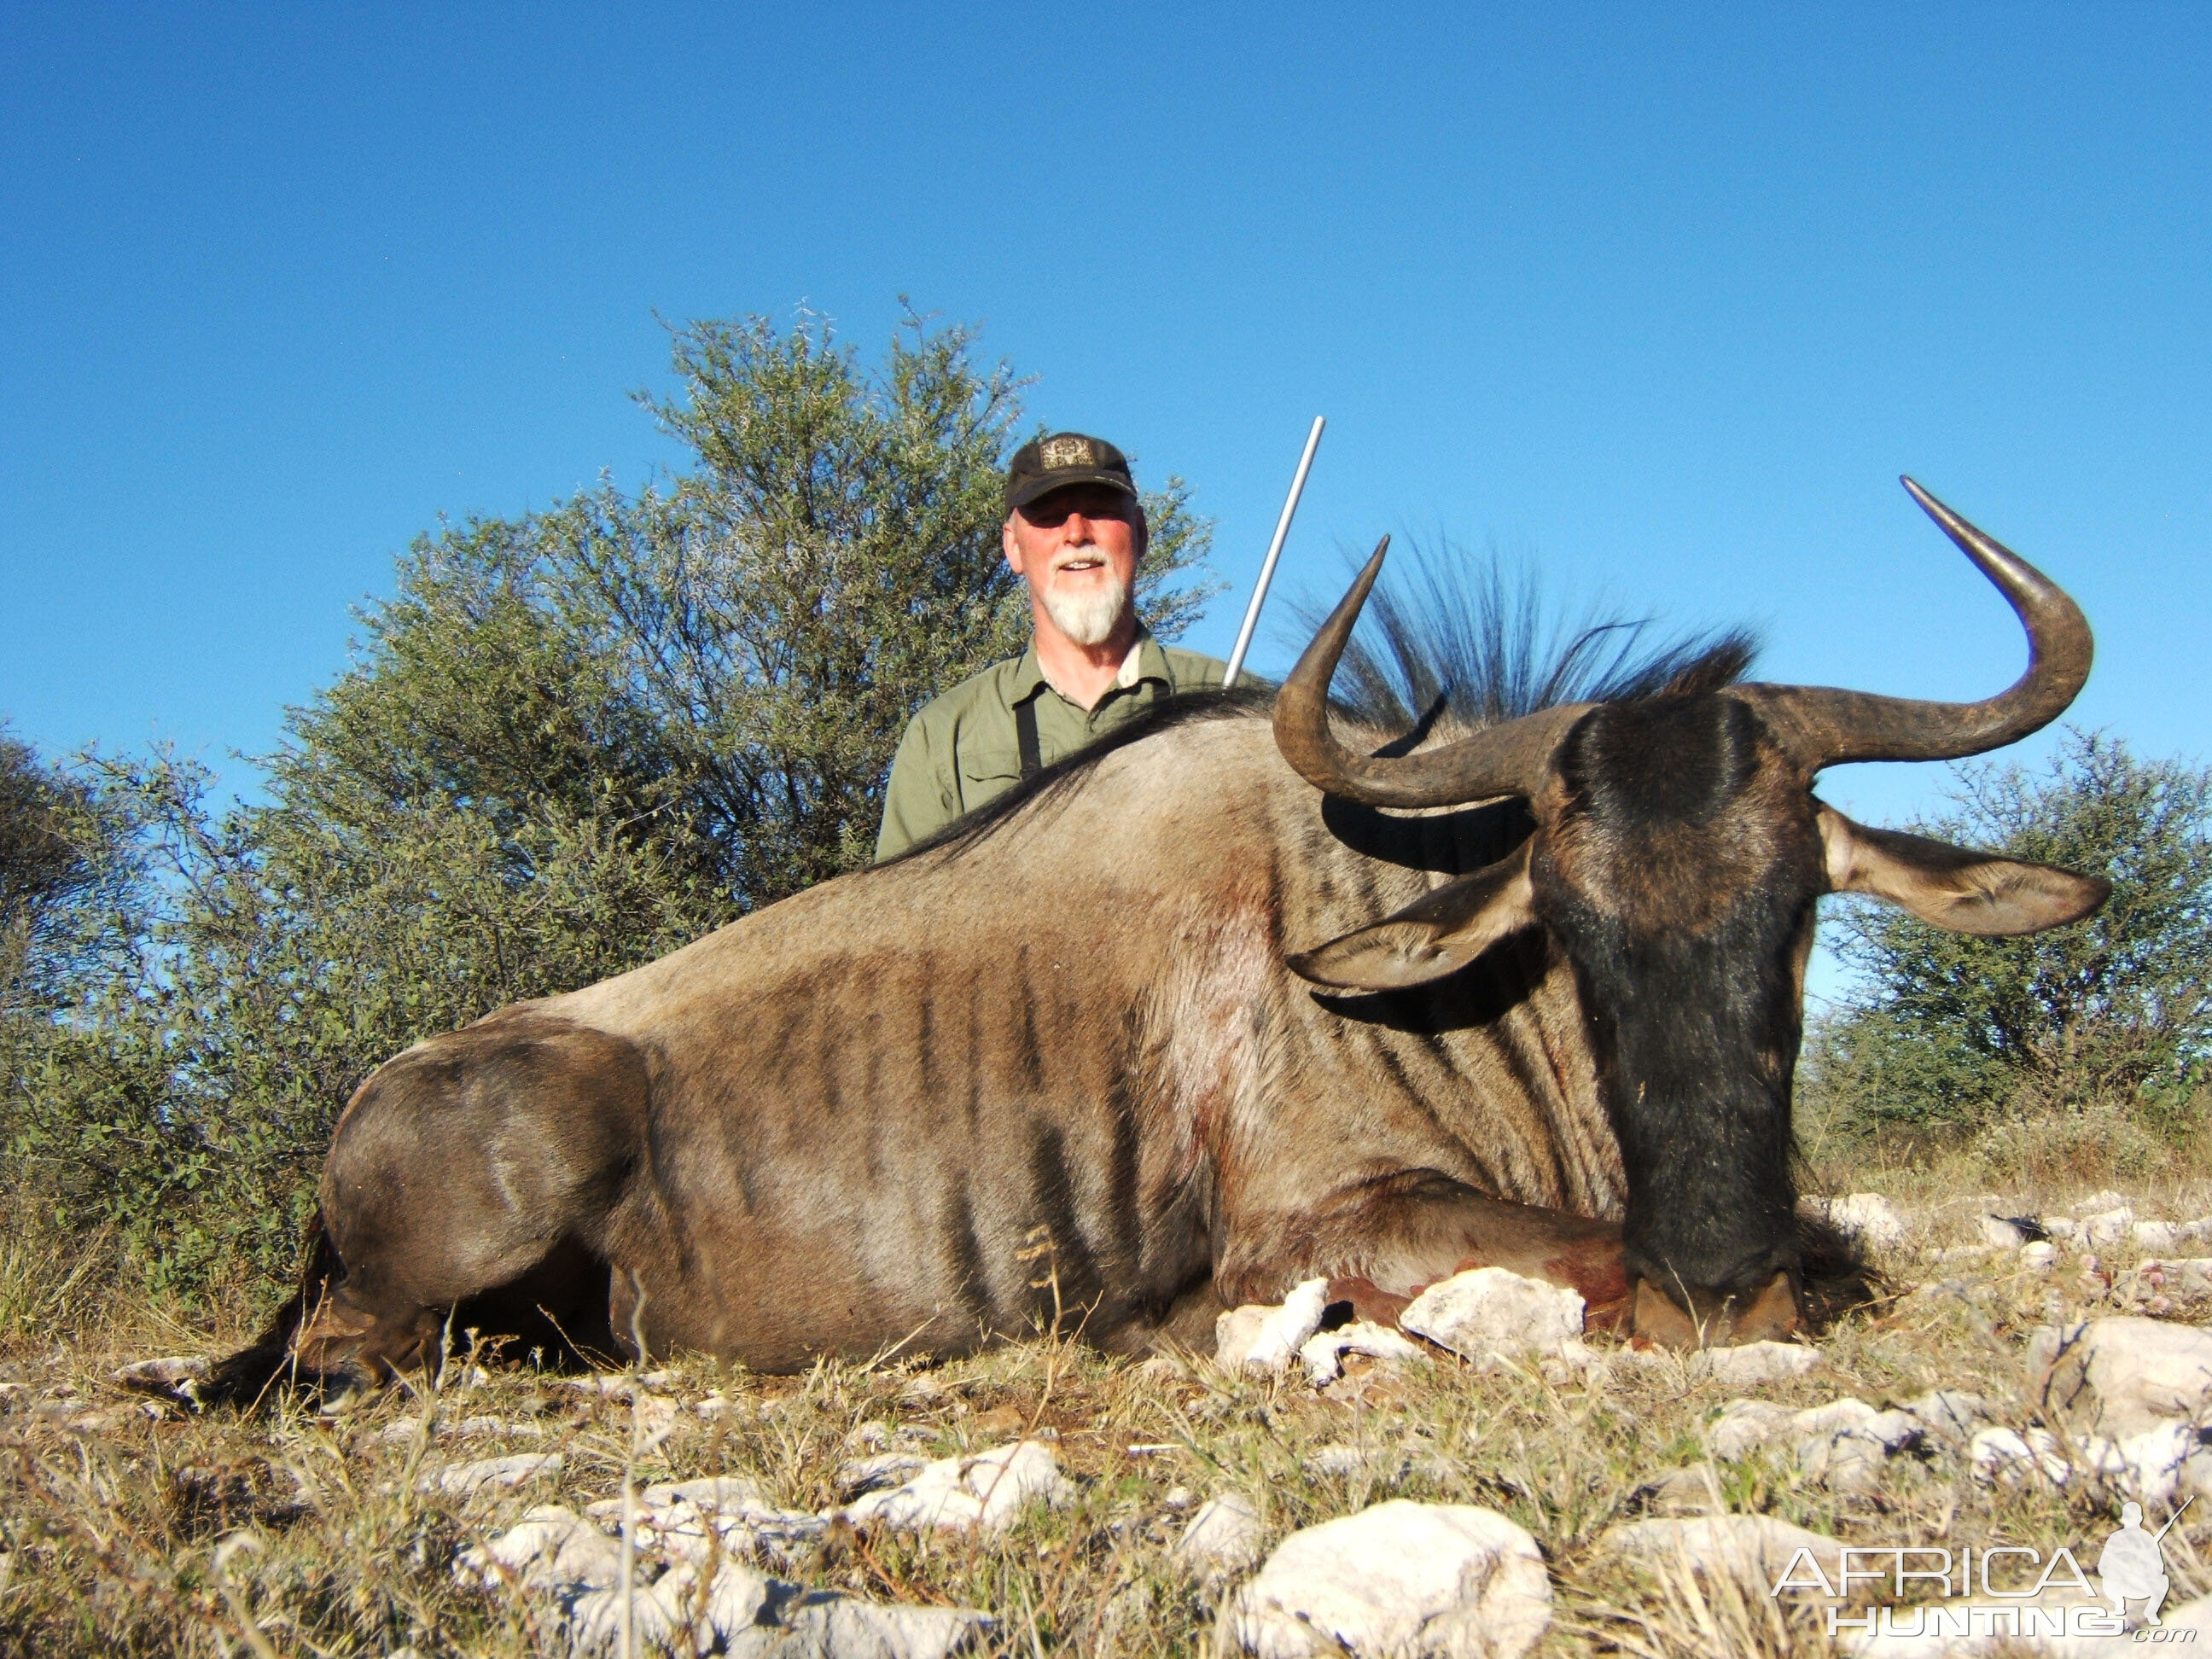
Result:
[{"x": 1079, "y": 548}]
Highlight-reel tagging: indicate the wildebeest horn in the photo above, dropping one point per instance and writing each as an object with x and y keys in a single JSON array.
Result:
[
  {"x": 1502, "y": 759},
  {"x": 1821, "y": 726}
]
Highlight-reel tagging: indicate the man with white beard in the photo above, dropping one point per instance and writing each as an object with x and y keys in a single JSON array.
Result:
[{"x": 1075, "y": 533}]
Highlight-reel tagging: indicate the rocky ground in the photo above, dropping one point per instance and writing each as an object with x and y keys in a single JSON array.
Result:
[{"x": 1494, "y": 1484}]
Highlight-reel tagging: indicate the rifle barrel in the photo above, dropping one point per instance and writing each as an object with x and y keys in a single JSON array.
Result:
[{"x": 1274, "y": 552}]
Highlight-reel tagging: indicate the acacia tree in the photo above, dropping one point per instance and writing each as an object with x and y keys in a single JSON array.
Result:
[
  {"x": 1944, "y": 1028},
  {"x": 567, "y": 744}
]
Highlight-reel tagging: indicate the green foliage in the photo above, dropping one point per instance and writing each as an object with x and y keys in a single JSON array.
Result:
[
  {"x": 567, "y": 744},
  {"x": 1947, "y": 1029}
]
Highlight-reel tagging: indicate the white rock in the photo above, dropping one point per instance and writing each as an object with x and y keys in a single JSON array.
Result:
[
  {"x": 856, "y": 1475},
  {"x": 2040, "y": 1256},
  {"x": 987, "y": 1492},
  {"x": 1266, "y": 1339},
  {"x": 1340, "y": 1460},
  {"x": 2005, "y": 1457},
  {"x": 1950, "y": 1416},
  {"x": 740, "y": 1612},
  {"x": 2165, "y": 1237},
  {"x": 2106, "y": 1199},
  {"x": 2060, "y": 1227},
  {"x": 2155, "y": 1466},
  {"x": 1755, "y": 1549},
  {"x": 1744, "y": 1425},
  {"x": 2189, "y": 1277},
  {"x": 2108, "y": 1227},
  {"x": 1844, "y": 1443},
  {"x": 179, "y": 1373},
  {"x": 1944, "y": 1255},
  {"x": 1323, "y": 1353},
  {"x": 835, "y": 1626},
  {"x": 2003, "y": 1233},
  {"x": 550, "y": 1548},
  {"x": 2128, "y": 1374},
  {"x": 656, "y": 1612},
  {"x": 719, "y": 1491},
  {"x": 468, "y": 1478},
  {"x": 704, "y": 1523},
  {"x": 1868, "y": 1217},
  {"x": 496, "y": 1428},
  {"x": 1401, "y": 1579},
  {"x": 1748, "y": 1365},
  {"x": 1488, "y": 1312},
  {"x": 1223, "y": 1537}
]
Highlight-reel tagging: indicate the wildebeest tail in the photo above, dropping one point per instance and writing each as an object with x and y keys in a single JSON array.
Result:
[{"x": 245, "y": 1378}]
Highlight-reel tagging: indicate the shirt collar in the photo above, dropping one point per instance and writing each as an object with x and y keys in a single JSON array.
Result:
[{"x": 1147, "y": 661}]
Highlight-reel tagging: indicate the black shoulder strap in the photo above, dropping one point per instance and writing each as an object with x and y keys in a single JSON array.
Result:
[{"x": 1025, "y": 737}]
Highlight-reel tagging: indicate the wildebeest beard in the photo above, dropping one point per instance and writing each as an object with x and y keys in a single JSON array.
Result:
[{"x": 1682, "y": 890}]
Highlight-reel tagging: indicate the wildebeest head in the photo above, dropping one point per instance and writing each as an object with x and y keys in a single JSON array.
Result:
[{"x": 1677, "y": 859}]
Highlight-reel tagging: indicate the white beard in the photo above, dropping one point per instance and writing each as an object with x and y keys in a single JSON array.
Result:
[{"x": 1088, "y": 616}]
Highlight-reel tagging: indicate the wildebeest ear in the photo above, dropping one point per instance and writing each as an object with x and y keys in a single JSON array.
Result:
[
  {"x": 1434, "y": 934},
  {"x": 1953, "y": 887}
]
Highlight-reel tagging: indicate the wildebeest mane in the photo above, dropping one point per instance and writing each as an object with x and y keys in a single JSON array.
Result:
[{"x": 1449, "y": 639}]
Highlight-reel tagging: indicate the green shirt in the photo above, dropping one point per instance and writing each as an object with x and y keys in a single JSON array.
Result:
[{"x": 961, "y": 750}]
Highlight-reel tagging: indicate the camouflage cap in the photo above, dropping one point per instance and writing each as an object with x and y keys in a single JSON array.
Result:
[{"x": 1044, "y": 464}]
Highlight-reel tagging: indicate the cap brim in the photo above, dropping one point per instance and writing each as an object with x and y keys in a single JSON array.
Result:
[{"x": 1044, "y": 483}]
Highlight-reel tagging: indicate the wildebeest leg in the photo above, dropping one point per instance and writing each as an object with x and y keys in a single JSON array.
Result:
[
  {"x": 1385, "y": 1239},
  {"x": 473, "y": 1171}
]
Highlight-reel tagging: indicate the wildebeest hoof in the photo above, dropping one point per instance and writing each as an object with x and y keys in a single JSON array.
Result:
[{"x": 1771, "y": 1315}]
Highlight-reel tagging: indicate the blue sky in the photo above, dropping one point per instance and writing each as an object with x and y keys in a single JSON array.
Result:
[{"x": 1663, "y": 297}]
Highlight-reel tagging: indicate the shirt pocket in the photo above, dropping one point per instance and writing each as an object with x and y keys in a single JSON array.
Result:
[{"x": 985, "y": 782}]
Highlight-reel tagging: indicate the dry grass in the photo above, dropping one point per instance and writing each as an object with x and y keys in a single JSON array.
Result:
[{"x": 292, "y": 1533}]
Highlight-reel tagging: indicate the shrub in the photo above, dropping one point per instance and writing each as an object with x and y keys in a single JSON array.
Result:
[{"x": 1942, "y": 1031}]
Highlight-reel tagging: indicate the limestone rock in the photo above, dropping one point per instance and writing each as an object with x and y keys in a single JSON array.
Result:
[
  {"x": 1744, "y": 1425},
  {"x": 2010, "y": 1458},
  {"x": 2040, "y": 1256},
  {"x": 465, "y": 1480},
  {"x": 2108, "y": 1227},
  {"x": 1844, "y": 1443},
  {"x": 1266, "y": 1339},
  {"x": 178, "y": 1376},
  {"x": 1868, "y": 1218},
  {"x": 2125, "y": 1374},
  {"x": 1323, "y": 1353},
  {"x": 2170, "y": 1238},
  {"x": 1754, "y": 1363},
  {"x": 1403, "y": 1580},
  {"x": 1223, "y": 1537},
  {"x": 1691, "y": 1490},
  {"x": 1487, "y": 1312},
  {"x": 2009, "y": 1232},
  {"x": 856, "y": 1475},
  {"x": 987, "y": 1491},
  {"x": 743, "y": 1613},
  {"x": 1951, "y": 1417},
  {"x": 2184, "y": 1278},
  {"x": 559, "y": 1555},
  {"x": 552, "y": 1546},
  {"x": 1755, "y": 1549}
]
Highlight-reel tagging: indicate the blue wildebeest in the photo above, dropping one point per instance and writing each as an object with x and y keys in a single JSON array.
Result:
[{"x": 1206, "y": 1024}]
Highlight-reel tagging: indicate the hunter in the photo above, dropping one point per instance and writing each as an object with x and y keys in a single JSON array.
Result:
[{"x": 1075, "y": 533}]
